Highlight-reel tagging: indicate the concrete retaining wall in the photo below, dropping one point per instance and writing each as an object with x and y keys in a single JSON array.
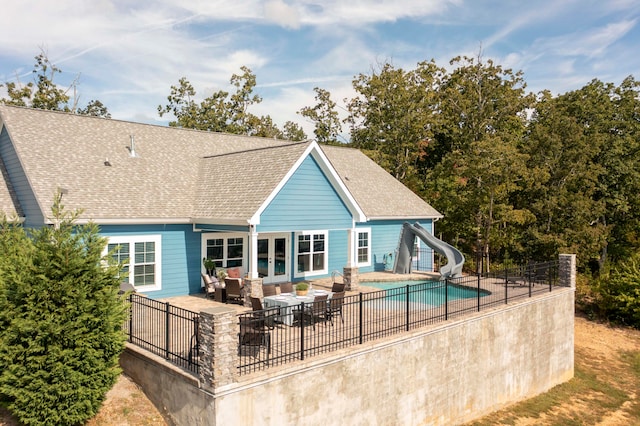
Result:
[{"x": 448, "y": 374}]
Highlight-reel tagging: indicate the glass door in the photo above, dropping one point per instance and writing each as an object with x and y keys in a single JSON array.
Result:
[{"x": 273, "y": 259}]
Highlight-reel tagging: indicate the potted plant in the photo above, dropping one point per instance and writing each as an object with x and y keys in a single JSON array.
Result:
[
  {"x": 222, "y": 274},
  {"x": 302, "y": 288},
  {"x": 209, "y": 266}
]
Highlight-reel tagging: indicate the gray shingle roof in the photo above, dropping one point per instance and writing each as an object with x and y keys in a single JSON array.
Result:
[
  {"x": 379, "y": 194},
  {"x": 177, "y": 174},
  {"x": 243, "y": 180}
]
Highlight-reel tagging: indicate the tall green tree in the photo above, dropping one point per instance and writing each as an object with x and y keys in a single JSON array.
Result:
[
  {"x": 619, "y": 186},
  {"x": 324, "y": 117},
  {"x": 60, "y": 323},
  {"x": 95, "y": 108},
  {"x": 563, "y": 163},
  {"x": 482, "y": 120},
  {"x": 223, "y": 111},
  {"x": 393, "y": 116},
  {"x": 45, "y": 93}
]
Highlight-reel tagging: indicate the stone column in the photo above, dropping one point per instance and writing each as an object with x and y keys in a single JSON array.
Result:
[
  {"x": 567, "y": 270},
  {"x": 252, "y": 288},
  {"x": 218, "y": 338},
  {"x": 351, "y": 278}
]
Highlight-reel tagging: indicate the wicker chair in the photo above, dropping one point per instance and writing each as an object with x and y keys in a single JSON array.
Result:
[
  {"x": 334, "y": 306},
  {"x": 252, "y": 336},
  {"x": 209, "y": 285},
  {"x": 269, "y": 290},
  {"x": 264, "y": 319},
  {"x": 286, "y": 288},
  {"x": 315, "y": 312},
  {"x": 338, "y": 287},
  {"x": 235, "y": 289}
]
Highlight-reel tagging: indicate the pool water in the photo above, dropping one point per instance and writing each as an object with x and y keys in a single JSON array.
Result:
[{"x": 425, "y": 292}]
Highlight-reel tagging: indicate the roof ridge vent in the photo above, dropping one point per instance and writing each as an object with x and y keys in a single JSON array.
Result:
[{"x": 132, "y": 146}]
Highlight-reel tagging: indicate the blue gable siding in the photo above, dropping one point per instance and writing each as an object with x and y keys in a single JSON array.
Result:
[
  {"x": 26, "y": 198},
  {"x": 306, "y": 202},
  {"x": 181, "y": 262}
]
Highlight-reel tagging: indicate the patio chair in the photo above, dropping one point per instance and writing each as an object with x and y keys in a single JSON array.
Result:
[
  {"x": 338, "y": 287},
  {"x": 235, "y": 289},
  {"x": 252, "y": 336},
  {"x": 316, "y": 311},
  {"x": 269, "y": 290},
  {"x": 286, "y": 288},
  {"x": 209, "y": 285},
  {"x": 334, "y": 307},
  {"x": 263, "y": 318}
]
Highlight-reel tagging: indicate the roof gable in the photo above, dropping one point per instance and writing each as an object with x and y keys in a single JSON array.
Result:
[{"x": 313, "y": 149}]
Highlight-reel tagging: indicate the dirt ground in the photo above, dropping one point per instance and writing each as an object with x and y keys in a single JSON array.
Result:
[{"x": 598, "y": 349}]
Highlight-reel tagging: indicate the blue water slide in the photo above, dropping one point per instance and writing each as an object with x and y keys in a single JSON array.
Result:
[{"x": 455, "y": 259}]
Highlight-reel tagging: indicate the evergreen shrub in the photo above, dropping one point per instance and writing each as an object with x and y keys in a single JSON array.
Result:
[{"x": 60, "y": 321}]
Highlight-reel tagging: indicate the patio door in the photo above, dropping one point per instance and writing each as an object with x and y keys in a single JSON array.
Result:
[{"x": 273, "y": 258}]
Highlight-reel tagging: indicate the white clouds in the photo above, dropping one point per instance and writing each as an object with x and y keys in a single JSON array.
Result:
[
  {"x": 130, "y": 53},
  {"x": 361, "y": 12},
  {"x": 590, "y": 43},
  {"x": 280, "y": 13}
]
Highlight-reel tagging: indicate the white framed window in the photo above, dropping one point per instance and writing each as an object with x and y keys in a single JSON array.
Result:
[
  {"x": 363, "y": 246},
  {"x": 311, "y": 253},
  {"x": 227, "y": 250},
  {"x": 141, "y": 257}
]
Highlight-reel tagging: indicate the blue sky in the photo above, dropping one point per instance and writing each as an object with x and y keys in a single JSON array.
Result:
[{"x": 128, "y": 53}]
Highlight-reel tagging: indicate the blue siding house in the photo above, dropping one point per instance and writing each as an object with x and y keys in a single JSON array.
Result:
[{"x": 166, "y": 197}]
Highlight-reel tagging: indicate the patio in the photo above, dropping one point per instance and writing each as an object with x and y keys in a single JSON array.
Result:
[
  {"x": 197, "y": 302},
  {"x": 367, "y": 314}
]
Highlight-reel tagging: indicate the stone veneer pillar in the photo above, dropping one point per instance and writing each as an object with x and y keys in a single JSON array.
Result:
[
  {"x": 218, "y": 338},
  {"x": 351, "y": 278},
  {"x": 567, "y": 270},
  {"x": 253, "y": 288}
]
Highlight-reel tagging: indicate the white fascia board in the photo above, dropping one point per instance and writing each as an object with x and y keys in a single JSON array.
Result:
[
  {"x": 132, "y": 221},
  {"x": 433, "y": 217},
  {"x": 314, "y": 150},
  {"x": 210, "y": 221}
]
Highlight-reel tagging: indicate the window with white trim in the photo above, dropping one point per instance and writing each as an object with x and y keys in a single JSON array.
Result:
[
  {"x": 140, "y": 258},
  {"x": 363, "y": 248},
  {"x": 227, "y": 252},
  {"x": 311, "y": 253}
]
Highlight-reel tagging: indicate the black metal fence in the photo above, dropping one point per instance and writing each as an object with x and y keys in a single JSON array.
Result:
[
  {"x": 165, "y": 330},
  {"x": 278, "y": 336}
]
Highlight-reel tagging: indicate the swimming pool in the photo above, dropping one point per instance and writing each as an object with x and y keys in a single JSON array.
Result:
[{"x": 425, "y": 292}]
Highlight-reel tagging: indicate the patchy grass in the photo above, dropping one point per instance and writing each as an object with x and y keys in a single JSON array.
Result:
[{"x": 604, "y": 391}]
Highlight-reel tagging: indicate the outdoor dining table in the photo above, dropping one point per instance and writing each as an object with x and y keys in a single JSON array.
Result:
[{"x": 288, "y": 302}]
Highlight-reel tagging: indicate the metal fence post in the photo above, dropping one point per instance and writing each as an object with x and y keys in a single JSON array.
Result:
[
  {"x": 446, "y": 299},
  {"x": 478, "y": 292},
  {"x": 167, "y": 328},
  {"x": 131, "y": 317},
  {"x": 360, "y": 314},
  {"x": 407, "y": 306},
  {"x": 506, "y": 285},
  {"x": 301, "y": 330}
]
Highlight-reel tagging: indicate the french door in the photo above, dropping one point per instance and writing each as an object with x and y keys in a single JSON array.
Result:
[{"x": 273, "y": 258}]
